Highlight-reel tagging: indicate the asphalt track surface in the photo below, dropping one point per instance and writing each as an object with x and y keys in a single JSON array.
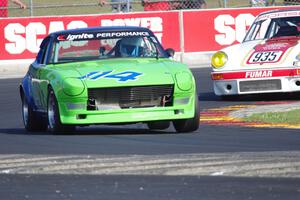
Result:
[{"x": 20, "y": 151}]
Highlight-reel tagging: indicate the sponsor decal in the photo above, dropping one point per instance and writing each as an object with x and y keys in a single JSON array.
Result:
[
  {"x": 120, "y": 77},
  {"x": 258, "y": 74},
  {"x": 279, "y": 15},
  {"x": 122, "y": 34},
  {"x": 104, "y": 35},
  {"x": 61, "y": 38},
  {"x": 274, "y": 46},
  {"x": 255, "y": 74},
  {"x": 81, "y": 36}
]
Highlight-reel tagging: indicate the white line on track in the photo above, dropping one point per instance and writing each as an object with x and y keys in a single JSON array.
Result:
[{"x": 259, "y": 164}]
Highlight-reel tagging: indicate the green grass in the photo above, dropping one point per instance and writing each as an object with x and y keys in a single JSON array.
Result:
[
  {"x": 64, "y": 7},
  {"x": 290, "y": 117}
]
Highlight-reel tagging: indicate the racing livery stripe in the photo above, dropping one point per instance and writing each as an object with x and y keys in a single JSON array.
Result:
[{"x": 255, "y": 74}]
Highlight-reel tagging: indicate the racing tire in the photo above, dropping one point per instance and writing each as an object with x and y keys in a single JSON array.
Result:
[
  {"x": 54, "y": 123},
  {"x": 188, "y": 125},
  {"x": 158, "y": 125},
  {"x": 32, "y": 121}
]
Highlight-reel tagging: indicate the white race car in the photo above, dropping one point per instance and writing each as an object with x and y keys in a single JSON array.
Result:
[{"x": 267, "y": 61}]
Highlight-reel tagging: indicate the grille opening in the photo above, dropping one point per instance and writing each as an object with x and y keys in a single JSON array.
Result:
[
  {"x": 130, "y": 97},
  {"x": 91, "y": 104},
  {"x": 260, "y": 85},
  {"x": 81, "y": 116}
]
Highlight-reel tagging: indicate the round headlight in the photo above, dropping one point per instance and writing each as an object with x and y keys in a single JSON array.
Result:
[
  {"x": 184, "y": 81},
  {"x": 219, "y": 59},
  {"x": 73, "y": 86}
]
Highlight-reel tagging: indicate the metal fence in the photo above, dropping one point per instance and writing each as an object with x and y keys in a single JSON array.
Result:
[{"x": 75, "y": 7}]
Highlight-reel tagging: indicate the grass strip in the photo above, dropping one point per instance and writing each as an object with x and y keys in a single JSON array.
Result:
[{"x": 289, "y": 117}]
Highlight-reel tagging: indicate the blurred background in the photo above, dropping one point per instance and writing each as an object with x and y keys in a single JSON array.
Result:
[{"x": 73, "y": 7}]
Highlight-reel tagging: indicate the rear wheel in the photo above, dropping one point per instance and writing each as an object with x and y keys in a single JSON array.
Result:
[
  {"x": 158, "y": 125},
  {"x": 189, "y": 125},
  {"x": 54, "y": 123},
  {"x": 32, "y": 120}
]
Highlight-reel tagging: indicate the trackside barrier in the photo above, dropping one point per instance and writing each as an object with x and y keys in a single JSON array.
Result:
[{"x": 194, "y": 34}]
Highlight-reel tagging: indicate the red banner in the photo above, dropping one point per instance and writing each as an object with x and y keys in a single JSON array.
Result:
[
  {"x": 203, "y": 30},
  {"x": 211, "y": 30},
  {"x": 20, "y": 37}
]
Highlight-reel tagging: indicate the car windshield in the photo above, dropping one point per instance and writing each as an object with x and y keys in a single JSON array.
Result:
[
  {"x": 265, "y": 28},
  {"x": 105, "y": 48}
]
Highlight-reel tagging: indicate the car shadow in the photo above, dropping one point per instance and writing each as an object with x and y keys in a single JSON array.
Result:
[
  {"x": 207, "y": 96},
  {"x": 95, "y": 130}
]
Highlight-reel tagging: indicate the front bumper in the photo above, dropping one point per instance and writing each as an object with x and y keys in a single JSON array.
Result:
[
  {"x": 247, "y": 82},
  {"x": 133, "y": 115}
]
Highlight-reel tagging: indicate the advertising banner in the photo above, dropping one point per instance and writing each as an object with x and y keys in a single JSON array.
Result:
[
  {"x": 20, "y": 37},
  {"x": 202, "y": 30},
  {"x": 211, "y": 30}
]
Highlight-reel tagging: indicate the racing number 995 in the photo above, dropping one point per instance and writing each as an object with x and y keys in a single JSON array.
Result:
[{"x": 261, "y": 57}]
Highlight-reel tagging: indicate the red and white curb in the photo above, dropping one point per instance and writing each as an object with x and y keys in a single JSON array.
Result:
[{"x": 233, "y": 115}]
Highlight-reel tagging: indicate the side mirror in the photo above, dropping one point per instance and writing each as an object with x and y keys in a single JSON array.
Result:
[{"x": 170, "y": 52}]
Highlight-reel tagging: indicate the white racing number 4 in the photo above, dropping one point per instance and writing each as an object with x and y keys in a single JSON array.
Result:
[{"x": 120, "y": 77}]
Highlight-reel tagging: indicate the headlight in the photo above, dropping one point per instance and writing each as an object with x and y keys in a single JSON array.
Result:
[
  {"x": 184, "y": 81},
  {"x": 219, "y": 59},
  {"x": 73, "y": 86}
]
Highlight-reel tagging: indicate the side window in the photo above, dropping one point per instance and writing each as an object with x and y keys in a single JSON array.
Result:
[
  {"x": 273, "y": 28},
  {"x": 41, "y": 57}
]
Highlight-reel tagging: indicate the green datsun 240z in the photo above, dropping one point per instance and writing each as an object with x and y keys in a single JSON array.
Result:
[{"x": 108, "y": 75}]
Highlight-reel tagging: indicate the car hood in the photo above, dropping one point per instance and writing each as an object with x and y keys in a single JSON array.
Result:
[
  {"x": 242, "y": 56},
  {"x": 123, "y": 72}
]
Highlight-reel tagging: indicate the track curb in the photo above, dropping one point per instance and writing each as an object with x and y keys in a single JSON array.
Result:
[{"x": 234, "y": 115}]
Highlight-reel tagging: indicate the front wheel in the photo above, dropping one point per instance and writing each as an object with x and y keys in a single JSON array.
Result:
[
  {"x": 189, "y": 125},
  {"x": 54, "y": 123}
]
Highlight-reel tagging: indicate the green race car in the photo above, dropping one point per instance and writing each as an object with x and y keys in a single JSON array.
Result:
[{"x": 111, "y": 75}]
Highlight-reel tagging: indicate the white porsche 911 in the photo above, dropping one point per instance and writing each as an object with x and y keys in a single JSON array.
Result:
[{"x": 267, "y": 61}]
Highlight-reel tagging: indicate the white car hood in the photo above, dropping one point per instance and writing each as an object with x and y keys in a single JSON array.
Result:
[{"x": 241, "y": 56}]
